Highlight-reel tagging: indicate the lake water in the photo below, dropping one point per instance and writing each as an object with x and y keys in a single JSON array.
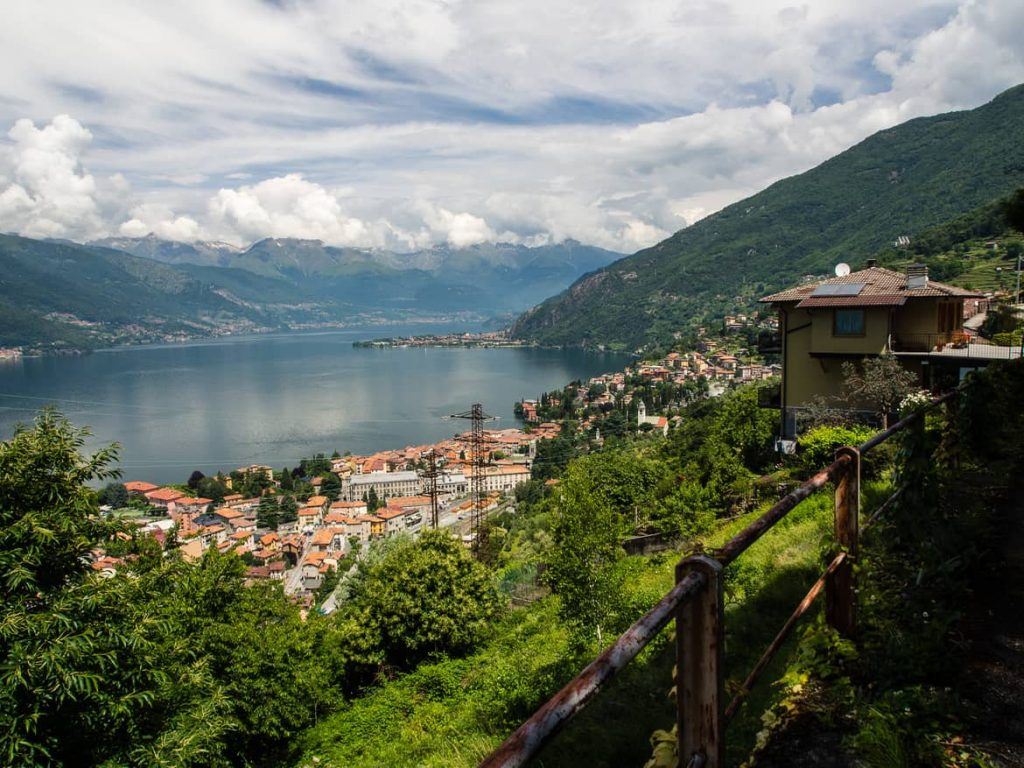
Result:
[{"x": 274, "y": 399}]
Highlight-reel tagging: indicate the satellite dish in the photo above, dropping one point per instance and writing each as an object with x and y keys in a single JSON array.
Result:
[{"x": 842, "y": 269}]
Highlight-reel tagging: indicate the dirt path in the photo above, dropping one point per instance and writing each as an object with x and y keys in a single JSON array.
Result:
[{"x": 992, "y": 683}]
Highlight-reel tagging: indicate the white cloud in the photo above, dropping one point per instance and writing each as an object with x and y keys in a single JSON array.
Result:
[
  {"x": 49, "y": 194},
  {"x": 400, "y": 123},
  {"x": 457, "y": 229}
]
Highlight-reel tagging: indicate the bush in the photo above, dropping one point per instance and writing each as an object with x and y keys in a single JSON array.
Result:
[
  {"x": 1007, "y": 339},
  {"x": 818, "y": 446},
  {"x": 427, "y": 598}
]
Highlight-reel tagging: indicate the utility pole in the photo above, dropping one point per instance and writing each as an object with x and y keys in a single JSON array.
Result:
[
  {"x": 432, "y": 486},
  {"x": 476, "y": 417}
]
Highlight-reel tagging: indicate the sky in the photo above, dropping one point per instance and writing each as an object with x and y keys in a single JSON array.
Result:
[{"x": 404, "y": 124}]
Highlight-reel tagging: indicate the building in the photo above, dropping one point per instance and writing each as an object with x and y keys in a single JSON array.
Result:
[
  {"x": 504, "y": 479},
  {"x": 660, "y": 423},
  {"x": 164, "y": 498},
  {"x": 192, "y": 506},
  {"x": 867, "y": 313},
  {"x": 384, "y": 484},
  {"x": 452, "y": 483},
  {"x": 139, "y": 487}
]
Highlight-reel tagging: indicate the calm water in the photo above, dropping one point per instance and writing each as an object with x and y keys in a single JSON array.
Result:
[{"x": 275, "y": 399}]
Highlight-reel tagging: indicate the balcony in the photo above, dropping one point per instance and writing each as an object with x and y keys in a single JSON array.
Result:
[{"x": 954, "y": 344}]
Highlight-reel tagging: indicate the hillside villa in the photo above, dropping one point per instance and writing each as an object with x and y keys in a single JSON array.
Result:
[{"x": 867, "y": 313}]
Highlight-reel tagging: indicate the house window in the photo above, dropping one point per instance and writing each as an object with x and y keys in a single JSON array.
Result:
[{"x": 848, "y": 322}]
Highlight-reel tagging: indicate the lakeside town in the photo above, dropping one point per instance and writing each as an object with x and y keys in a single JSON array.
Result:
[
  {"x": 306, "y": 527},
  {"x": 485, "y": 339}
]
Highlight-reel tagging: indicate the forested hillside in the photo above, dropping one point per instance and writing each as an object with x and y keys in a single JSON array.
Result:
[
  {"x": 76, "y": 296},
  {"x": 897, "y": 182}
]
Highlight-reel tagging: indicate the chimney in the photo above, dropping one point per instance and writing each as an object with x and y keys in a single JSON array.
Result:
[
  {"x": 872, "y": 263},
  {"x": 917, "y": 276}
]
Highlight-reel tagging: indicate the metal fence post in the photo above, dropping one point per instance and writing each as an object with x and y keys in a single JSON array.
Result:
[
  {"x": 700, "y": 691},
  {"x": 840, "y": 599}
]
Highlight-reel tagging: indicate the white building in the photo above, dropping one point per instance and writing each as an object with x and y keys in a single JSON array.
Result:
[
  {"x": 504, "y": 479},
  {"x": 385, "y": 484}
]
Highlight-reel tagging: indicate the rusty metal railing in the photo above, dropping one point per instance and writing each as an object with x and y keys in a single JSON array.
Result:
[{"x": 696, "y": 602}]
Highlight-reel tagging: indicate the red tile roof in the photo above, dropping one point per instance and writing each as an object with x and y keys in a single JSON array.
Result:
[
  {"x": 140, "y": 486},
  {"x": 164, "y": 494}
]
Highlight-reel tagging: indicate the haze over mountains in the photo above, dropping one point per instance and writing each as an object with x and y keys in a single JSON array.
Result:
[
  {"x": 142, "y": 289},
  {"x": 897, "y": 182}
]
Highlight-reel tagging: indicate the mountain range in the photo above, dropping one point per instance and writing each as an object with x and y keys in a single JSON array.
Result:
[
  {"x": 487, "y": 278},
  {"x": 897, "y": 182},
  {"x": 60, "y": 294}
]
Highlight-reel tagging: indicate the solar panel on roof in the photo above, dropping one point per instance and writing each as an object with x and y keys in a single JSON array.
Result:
[{"x": 839, "y": 289}]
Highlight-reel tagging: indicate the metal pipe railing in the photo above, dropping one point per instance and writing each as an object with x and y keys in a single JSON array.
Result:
[
  {"x": 531, "y": 735},
  {"x": 700, "y": 691}
]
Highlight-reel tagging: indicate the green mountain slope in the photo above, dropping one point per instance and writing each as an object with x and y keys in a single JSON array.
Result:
[
  {"x": 79, "y": 296},
  {"x": 896, "y": 182}
]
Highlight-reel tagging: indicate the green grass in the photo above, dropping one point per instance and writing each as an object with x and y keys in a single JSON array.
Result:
[{"x": 453, "y": 712}]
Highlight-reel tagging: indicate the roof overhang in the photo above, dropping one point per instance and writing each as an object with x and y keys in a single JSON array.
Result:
[{"x": 818, "y": 302}]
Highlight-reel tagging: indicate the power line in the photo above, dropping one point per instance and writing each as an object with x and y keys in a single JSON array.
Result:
[{"x": 476, "y": 417}]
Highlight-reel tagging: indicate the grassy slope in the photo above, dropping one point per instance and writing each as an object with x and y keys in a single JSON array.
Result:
[
  {"x": 897, "y": 182},
  {"x": 452, "y": 713}
]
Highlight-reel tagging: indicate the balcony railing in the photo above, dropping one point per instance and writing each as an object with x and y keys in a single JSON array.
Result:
[{"x": 951, "y": 344}]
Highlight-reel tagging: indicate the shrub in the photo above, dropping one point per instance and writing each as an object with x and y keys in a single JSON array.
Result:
[
  {"x": 818, "y": 446},
  {"x": 428, "y": 598}
]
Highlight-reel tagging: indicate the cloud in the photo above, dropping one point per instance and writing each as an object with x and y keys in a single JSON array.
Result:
[
  {"x": 49, "y": 194},
  {"x": 456, "y": 229},
  {"x": 402, "y": 123}
]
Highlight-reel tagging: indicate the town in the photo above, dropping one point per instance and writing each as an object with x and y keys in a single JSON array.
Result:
[
  {"x": 299, "y": 526},
  {"x": 305, "y": 527}
]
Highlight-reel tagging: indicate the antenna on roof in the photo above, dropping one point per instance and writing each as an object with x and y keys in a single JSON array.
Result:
[{"x": 842, "y": 269}]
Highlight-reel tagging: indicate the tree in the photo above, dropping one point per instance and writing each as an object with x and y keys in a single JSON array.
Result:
[
  {"x": 212, "y": 488},
  {"x": 879, "y": 381},
  {"x": 287, "y": 480},
  {"x": 427, "y": 598},
  {"x": 581, "y": 566},
  {"x": 194, "y": 478},
  {"x": 114, "y": 495},
  {"x": 373, "y": 502},
  {"x": 268, "y": 513},
  {"x": 48, "y": 515},
  {"x": 289, "y": 510},
  {"x": 330, "y": 486}
]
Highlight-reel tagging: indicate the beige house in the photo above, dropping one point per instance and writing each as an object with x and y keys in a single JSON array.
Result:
[{"x": 867, "y": 313}]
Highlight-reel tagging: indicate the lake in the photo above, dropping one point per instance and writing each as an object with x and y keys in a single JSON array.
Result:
[{"x": 274, "y": 399}]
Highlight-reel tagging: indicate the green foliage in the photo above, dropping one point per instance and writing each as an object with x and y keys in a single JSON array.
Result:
[
  {"x": 818, "y": 445},
  {"x": 114, "y": 495},
  {"x": 879, "y": 382},
  {"x": 427, "y": 598},
  {"x": 48, "y": 517},
  {"x": 330, "y": 486},
  {"x": 268, "y": 513},
  {"x": 586, "y": 530}
]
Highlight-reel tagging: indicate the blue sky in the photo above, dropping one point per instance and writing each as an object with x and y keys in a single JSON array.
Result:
[{"x": 407, "y": 123}]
